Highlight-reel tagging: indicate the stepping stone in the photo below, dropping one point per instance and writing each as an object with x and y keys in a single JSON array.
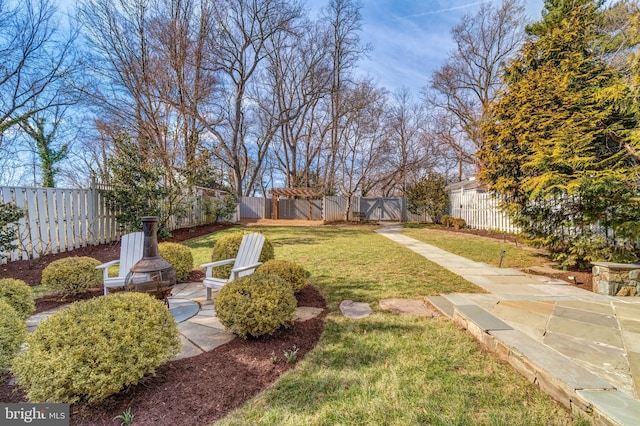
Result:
[
  {"x": 204, "y": 337},
  {"x": 183, "y": 310},
  {"x": 187, "y": 349},
  {"x": 407, "y": 307},
  {"x": 355, "y": 310},
  {"x": 443, "y": 304},
  {"x": 305, "y": 313},
  {"x": 209, "y": 321}
]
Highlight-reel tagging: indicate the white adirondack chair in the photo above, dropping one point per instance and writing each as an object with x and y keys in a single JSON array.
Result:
[
  {"x": 245, "y": 262},
  {"x": 131, "y": 247}
]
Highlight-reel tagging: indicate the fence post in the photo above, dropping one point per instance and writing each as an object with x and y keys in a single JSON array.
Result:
[{"x": 92, "y": 208}]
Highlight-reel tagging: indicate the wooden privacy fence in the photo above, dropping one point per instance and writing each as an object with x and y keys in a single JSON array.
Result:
[
  {"x": 479, "y": 210},
  {"x": 332, "y": 209},
  {"x": 57, "y": 220}
]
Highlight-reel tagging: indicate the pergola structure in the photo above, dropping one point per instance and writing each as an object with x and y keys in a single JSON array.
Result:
[{"x": 276, "y": 193}]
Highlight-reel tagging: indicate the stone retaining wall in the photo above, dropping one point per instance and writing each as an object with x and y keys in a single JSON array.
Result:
[{"x": 616, "y": 279}]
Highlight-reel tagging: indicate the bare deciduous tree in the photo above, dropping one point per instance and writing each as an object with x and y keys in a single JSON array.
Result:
[
  {"x": 407, "y": 154},
  {"x": 466, "y": 84},
  {"x": 365, "y": 136},
  {"x": 241, "y": 41},
  {"x": 344, "y": 21},
  {"x": 299, "y": 79},
  {"x": 151, "y": 75},
  {"x": 37, "y": 66}
]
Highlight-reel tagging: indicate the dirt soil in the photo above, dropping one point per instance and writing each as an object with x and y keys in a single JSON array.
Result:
[{"x": 191, "y": 391}]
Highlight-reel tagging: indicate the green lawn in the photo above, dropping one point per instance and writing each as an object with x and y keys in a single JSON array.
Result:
[
  {"x": 476, "y": 248},
  {"x": 385, "y": 369}
]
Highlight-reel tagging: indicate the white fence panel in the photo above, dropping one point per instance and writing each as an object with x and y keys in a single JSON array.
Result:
[
  {"x": 481, "y": 211},
  {"x": 57, "y": 220}
]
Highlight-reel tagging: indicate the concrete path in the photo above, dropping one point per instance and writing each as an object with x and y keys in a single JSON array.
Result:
[{"x": 580, "y": 347}]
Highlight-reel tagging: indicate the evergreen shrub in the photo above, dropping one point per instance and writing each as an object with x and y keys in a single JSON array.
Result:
[
  {"x": 295, "y": 275},
  {"x": 179, "y": 256},
  {"x": 458, "y": 223},
  {"x": 13, "y": 331},
  {"x": 446, "y": 220},
  {"x": 96, "y": 348},
  {"x": 255, "y": 305},
  {"x": 18, "y": 294},
  {"x": 72, "y": 275}
]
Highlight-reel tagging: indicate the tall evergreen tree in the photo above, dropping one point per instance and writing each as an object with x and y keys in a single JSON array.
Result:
[{"x": 552, "y": 145}]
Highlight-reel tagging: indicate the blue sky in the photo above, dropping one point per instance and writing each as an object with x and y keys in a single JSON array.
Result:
[{"x": 411, "y": 38}]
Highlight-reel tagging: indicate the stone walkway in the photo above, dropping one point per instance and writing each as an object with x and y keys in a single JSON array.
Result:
[
  {"x": 199, "y": 328},
  {"x": 580, "y": 347},
  {"x": 203, "y": 331}
]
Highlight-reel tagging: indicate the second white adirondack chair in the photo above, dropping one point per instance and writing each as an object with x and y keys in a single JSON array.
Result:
[
  {"x": 245, "y": 262},
  {"x": 131, "y": 247}
]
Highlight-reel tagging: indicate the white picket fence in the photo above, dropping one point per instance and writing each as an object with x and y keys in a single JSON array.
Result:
[
  {"x": 58, "y": 220},
  {"x": 480, "y": 210}
]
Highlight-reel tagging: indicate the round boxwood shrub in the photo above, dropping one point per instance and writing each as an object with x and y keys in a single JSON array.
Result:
[
  {"x": 13, "y": 331},
  {"x": 227, "y": 248},
  {"x": 72, "y": 275},
  {"x": 295, "y": 275},
  {"x": 17, "y": 293},
  {"x": 255, "y": 305},
  {"x": 179, "y": 256},
  {"x": 96, "y": 348}
]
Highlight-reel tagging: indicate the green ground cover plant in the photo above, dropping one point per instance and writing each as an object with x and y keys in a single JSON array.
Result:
[
  {"x": 386, "y": 369},
  {"x": 478, "y": 248}
]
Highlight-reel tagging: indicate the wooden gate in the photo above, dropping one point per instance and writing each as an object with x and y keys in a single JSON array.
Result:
[{"x": 382, "y": 209}]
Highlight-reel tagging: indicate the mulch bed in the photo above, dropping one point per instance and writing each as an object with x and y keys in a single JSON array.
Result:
[
  {"x": 191, "y": 391},
  {"x": 201, "y": 389}
]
